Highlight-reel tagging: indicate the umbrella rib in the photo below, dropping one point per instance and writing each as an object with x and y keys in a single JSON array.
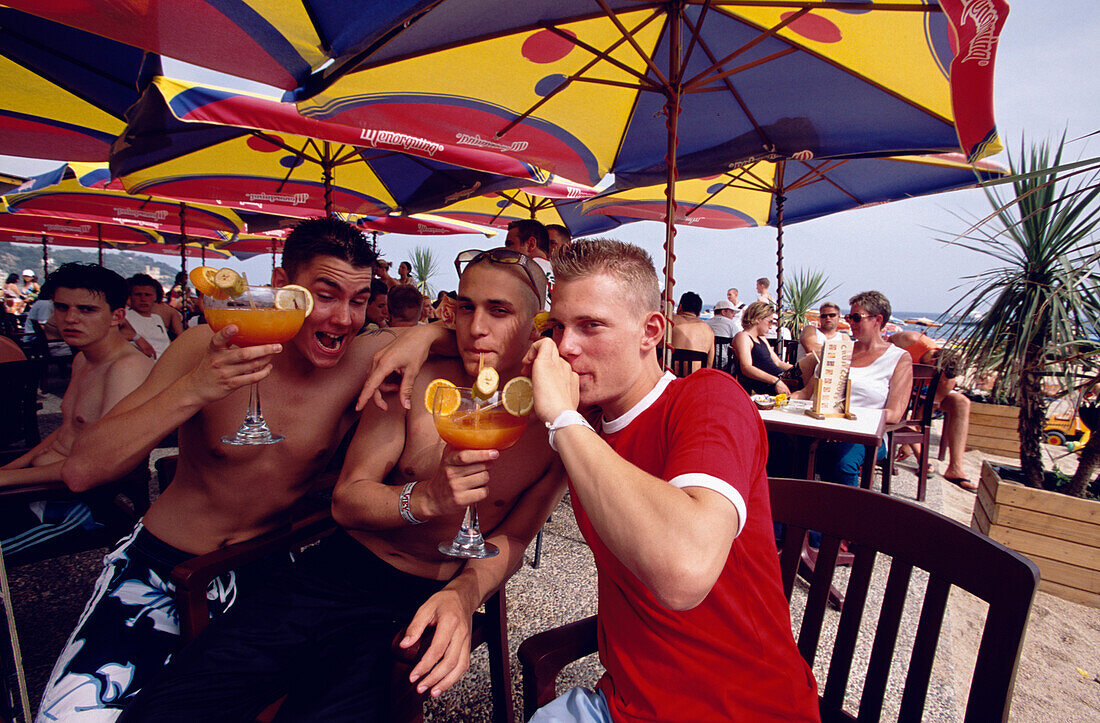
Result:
[
  {"x": 700, "y": 78},
  {"x": 695, "y": 38},
  {"x": 820, "y": 171},
  {"x": 576, "y": 76},
  {"x": 742, "y": 68},
  {"x": 645, "y": 57},
  {"x": 606, "y": 54}
]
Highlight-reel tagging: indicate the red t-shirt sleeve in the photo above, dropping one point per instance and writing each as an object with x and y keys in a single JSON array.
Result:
[{"x": 715, "y": 430}]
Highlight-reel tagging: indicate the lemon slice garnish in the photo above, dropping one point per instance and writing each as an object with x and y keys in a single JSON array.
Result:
[
  {"x": 486, "y": 383},
  {"x": 518, "y": 396},
  {"x": 229, "y": 282},
  {"x": 287, "y": 300},
  {"x": 449, "y": 403}
]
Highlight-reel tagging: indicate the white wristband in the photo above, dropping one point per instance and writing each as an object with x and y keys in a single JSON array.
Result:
[
  {"x": 404, "y": 505},
  {"x": 566, "y": 419}
]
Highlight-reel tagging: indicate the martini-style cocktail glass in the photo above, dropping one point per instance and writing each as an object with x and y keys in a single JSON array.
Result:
[
  {"x": 262, "y": 315},
  {"x": 466, "y": 422}
]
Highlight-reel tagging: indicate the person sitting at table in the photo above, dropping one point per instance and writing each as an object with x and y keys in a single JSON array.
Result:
[
  {"x": 150, "y": 324},
  {"x": 325, "y": 627},
  {"x": 759, "y": 368},
  {"x": 954, "y": 405},
  {"x": 689, "y": 331},
  {"x": 672, "y": 497},
  {"x": 813, "y": 337},
  {"x": 881, "y": 377},
  {"x": 13, "y": 295},
  {"x": 89, "y": 304}
]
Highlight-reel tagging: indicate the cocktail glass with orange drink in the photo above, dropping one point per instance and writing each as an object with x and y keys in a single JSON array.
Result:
[
  {"x": 262, "y": 315},
  {"x": 468, "y": 419}
]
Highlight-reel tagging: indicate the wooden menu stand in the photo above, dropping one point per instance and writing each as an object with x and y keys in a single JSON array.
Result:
[{"x": 833, "y": 388}]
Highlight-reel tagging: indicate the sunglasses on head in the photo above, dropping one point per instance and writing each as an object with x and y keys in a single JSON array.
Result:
[
  {"x": 856, "y": 318},
  {"x": 506, "y": 257}
]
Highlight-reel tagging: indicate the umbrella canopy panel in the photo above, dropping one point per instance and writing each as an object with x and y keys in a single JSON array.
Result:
[
  {"x": 59, "y": 194},
  {"x": 111, "y": 234},
  {"x": 277, "y": 42},
  {"x": 165, "y": 155},
  {"x": 65, "y": 92},
  {"x": 811, "y": 189}
]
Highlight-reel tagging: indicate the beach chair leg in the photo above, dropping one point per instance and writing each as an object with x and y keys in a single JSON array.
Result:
[{"x": 538, "y": 550}]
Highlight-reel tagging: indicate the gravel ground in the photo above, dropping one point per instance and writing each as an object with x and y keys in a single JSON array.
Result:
[{"x": 1062, "y": 636}]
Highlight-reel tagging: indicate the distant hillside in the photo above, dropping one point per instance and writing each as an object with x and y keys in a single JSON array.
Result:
[{"x": 16, "y": 257}]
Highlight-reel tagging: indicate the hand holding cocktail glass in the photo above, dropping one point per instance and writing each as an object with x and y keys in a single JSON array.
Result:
[
  {"x": 477, "y": 418},
  {"x": 262, "y": 315}
]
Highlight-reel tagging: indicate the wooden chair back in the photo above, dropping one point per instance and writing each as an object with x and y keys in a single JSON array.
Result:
[
  {"x": 950, "y": 553},
  {"x": 685, "y": 361},
  {"x": 723, "y": 353},
  {"x": 915, "y": 427},
  {"x": 19, "y": 402},
  {"x": 912, "y": 537}
]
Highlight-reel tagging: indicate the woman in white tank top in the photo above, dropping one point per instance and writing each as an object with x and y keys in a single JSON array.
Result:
[{"x": 881, "y": 376}]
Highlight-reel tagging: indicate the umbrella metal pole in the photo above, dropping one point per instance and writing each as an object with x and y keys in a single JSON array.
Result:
[
  {"x": 272, "y": 256},
  {"x": 99, "y": 242},
  {"x": 779, "y": 200},
  {"x": 45, "y": 258},
  {"x": 183, "y": 238},
  {"x": 326, "y": 177},
  {"x": 672, "y": 118}
]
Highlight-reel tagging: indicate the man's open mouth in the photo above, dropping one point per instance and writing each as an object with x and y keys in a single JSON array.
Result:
[{"x": 328, "y": 341}]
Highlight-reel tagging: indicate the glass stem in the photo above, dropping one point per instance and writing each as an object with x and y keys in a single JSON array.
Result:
[
  {"x": 471, "y": 529},
  {"x": 255, "y": 416}
]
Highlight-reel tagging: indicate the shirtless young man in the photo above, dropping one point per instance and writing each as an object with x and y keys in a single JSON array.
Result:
[
  {"x": 89, "y": 303},
  {"x": 689, "y": 331},
  {"x": 220, "y": 494},
  {"x": 401, "y": 492}
]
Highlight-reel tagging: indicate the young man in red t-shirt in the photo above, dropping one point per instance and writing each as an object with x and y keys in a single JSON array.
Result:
[{"x": 672, "y": 497}]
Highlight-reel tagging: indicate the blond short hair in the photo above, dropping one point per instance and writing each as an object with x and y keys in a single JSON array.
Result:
[
  {"x": 628, "y": 264},
  {"x": 756, "y": 311}
]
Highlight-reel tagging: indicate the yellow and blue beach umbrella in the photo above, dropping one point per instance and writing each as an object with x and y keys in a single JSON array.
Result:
[
  {"x": 772, "y": 194},
  {"x": 71, "y": 192},
  {"x": 559, "y": 202},
  {"x": 583, "y": 88},
  {"x": 165, "y": 153},
  {"x": 784, "y": 192},
  {"x": 277, "y": 42},
  {"x": 64, "y": 91}
]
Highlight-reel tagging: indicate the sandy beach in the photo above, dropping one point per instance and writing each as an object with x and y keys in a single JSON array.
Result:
[{"x": 1062, "y": 637}]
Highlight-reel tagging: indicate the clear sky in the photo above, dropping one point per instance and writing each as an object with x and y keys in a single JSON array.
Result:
[{"x": 1045, "y": 83}]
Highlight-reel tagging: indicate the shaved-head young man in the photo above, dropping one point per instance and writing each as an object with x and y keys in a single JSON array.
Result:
[{"x": 672, "y": 496}]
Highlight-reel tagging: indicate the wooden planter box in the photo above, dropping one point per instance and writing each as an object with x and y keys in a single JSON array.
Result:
[
  {"x": 993, "y": 429},
  {"x": 1060, "y": 534}
]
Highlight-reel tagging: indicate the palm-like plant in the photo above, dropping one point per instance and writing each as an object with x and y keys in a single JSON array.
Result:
[
  {"x": 801, "y": 294},
  {"x": 1041, "y": 304},
  {"x": 423, "y": 269}
]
